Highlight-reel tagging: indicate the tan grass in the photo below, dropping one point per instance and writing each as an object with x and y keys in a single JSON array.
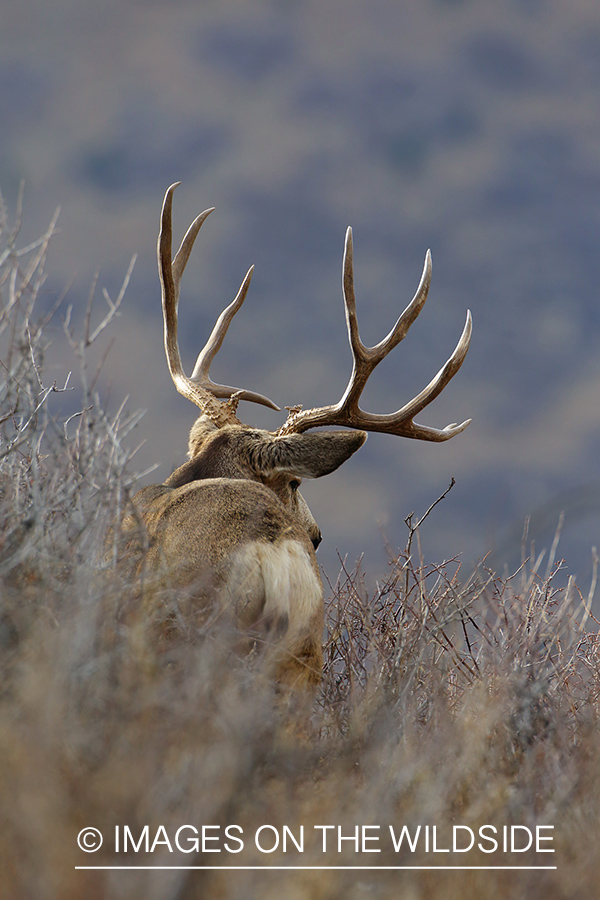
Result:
[{"x": 447, "y": 699}]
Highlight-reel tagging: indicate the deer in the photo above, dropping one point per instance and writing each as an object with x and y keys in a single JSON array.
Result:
[{"x": 230, "y": 525}]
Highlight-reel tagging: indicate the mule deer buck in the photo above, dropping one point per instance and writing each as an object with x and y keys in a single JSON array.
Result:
[{"x": 230, "y": 525}]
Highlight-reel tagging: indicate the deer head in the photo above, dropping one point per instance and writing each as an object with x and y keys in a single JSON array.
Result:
[{"x": 288, "y": 449}]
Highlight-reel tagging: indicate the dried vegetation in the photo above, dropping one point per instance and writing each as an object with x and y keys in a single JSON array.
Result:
[{"x": 446, "y": 699}]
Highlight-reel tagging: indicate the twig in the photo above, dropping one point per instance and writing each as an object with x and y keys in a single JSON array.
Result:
[{"x": 412, "y": 529}]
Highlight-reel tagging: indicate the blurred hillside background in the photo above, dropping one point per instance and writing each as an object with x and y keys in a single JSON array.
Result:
[{"x": 470, "y": 128}]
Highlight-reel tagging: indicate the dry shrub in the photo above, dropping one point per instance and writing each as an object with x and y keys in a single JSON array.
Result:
[{"x": 446, "y": 700}]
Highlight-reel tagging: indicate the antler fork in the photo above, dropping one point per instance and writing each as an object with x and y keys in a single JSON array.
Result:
[
  {"x": 204, "y": 392},
  {"x": 347, "y": 412},
  {"x": 199, "y": 388}
]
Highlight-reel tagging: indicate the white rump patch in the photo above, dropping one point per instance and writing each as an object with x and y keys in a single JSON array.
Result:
[{"x": 276, "y": 581}]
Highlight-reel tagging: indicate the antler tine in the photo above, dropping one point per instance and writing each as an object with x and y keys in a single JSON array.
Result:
[
  {"x": 405, "y": 320},
  {"x": 356, "y": 345},
  {"x": 180, "y": 259},
  {"x": 365, "y": 359},
  {"x": 213, "y": 345},
  {"x": 347, "y": 412},
  {"x": 170, "y": 275},
  {"x": 199, "y": 388},
  {"x": 435, "y": 388}
]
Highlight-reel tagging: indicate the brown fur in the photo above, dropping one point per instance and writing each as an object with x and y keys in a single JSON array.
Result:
[{"x": 230, "y": 528}]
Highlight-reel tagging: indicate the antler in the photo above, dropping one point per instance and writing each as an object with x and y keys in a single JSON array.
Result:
[
  {"x": 347, "y": 412},
  {"x": 199, "y": 388}
]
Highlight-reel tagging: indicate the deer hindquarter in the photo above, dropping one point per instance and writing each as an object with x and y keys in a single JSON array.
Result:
[{"x": 233, "y": 547}]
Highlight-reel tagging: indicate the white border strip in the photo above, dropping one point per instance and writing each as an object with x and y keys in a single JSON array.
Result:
[{"x": 320, "y": 868}]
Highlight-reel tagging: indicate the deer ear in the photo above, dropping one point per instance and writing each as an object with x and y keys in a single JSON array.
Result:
[{"x": 313, "y": 455}]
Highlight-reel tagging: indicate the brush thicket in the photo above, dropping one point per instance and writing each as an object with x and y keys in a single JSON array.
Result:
[{"x": 447, "y": 698}]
